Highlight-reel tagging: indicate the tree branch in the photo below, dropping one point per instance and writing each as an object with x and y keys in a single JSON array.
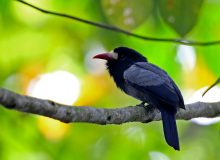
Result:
[
  {"x": 87, "y": 114},
  {"x": 119, "y": 30},
  {"x": 213, "y": 85}
]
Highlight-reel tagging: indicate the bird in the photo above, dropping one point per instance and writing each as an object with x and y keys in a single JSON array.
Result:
[{"x": 139, "y": 78}]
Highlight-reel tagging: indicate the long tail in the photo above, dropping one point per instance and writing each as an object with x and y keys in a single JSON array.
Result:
[{"x": 170, "y": 129}]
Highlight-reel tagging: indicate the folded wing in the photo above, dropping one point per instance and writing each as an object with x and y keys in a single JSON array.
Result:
[{"x": 153, "y": 81}]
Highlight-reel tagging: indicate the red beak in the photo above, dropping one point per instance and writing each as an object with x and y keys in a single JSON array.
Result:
[{"x": 106, "y": 56}]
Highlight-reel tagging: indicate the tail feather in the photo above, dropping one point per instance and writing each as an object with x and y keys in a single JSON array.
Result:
[{"x": 170, "y": 129}]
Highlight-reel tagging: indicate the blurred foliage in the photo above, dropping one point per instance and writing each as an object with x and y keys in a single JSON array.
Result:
[
  {"x": 180, "y": 15},
  {"x": 33, "y": 43},
  {"x": 127, "y": 14}
]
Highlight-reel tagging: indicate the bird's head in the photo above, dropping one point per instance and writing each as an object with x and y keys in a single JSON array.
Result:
[{"x": 122, "y": 55}]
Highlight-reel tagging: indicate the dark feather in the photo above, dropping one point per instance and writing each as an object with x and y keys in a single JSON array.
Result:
[
  {"x": 154, "y": 82},
  {"x": 148, "y": 83}
]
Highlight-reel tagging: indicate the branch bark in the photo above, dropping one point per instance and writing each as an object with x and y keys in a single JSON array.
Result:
[
  {"x": 67, "y": 114},
  {"x": 119, "y": 30}
]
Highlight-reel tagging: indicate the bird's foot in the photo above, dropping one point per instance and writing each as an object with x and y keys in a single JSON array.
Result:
[
  {"x": 146, "y": 106},
  {"x": 143, "y": 104},
  {"x": 148, "y": 109}
]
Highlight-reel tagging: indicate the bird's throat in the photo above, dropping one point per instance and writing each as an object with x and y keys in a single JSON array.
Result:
[{"x": 116, "y": 70}]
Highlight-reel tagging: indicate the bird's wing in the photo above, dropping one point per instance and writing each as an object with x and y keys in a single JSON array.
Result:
[
  {"x": 169, "y": 80},
  {"x": 181, "y": 101},
  {"x": 152, "y": 80}
]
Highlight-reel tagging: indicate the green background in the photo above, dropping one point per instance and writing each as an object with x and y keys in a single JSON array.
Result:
[{"x": 33, "y": 43}]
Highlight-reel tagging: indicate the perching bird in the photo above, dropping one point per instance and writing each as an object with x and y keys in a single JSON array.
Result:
[{"x": 144, "y": 81}]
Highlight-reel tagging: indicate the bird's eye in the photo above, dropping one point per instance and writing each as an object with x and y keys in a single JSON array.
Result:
[{"x": 121, "y": 56}]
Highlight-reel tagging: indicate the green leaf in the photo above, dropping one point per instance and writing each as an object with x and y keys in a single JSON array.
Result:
[
  {"x": 127, "y": 14},
  {"x": 181, "y": 15},
  {"x": 5, "y": 12}
]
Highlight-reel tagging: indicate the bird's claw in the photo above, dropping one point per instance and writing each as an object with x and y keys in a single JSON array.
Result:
[
  {"x": 145, "y": 105},
  {"x": 142, "y": 104}
]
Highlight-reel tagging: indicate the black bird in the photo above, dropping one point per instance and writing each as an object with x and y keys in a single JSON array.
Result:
[{"x": 144, "y": 81}]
